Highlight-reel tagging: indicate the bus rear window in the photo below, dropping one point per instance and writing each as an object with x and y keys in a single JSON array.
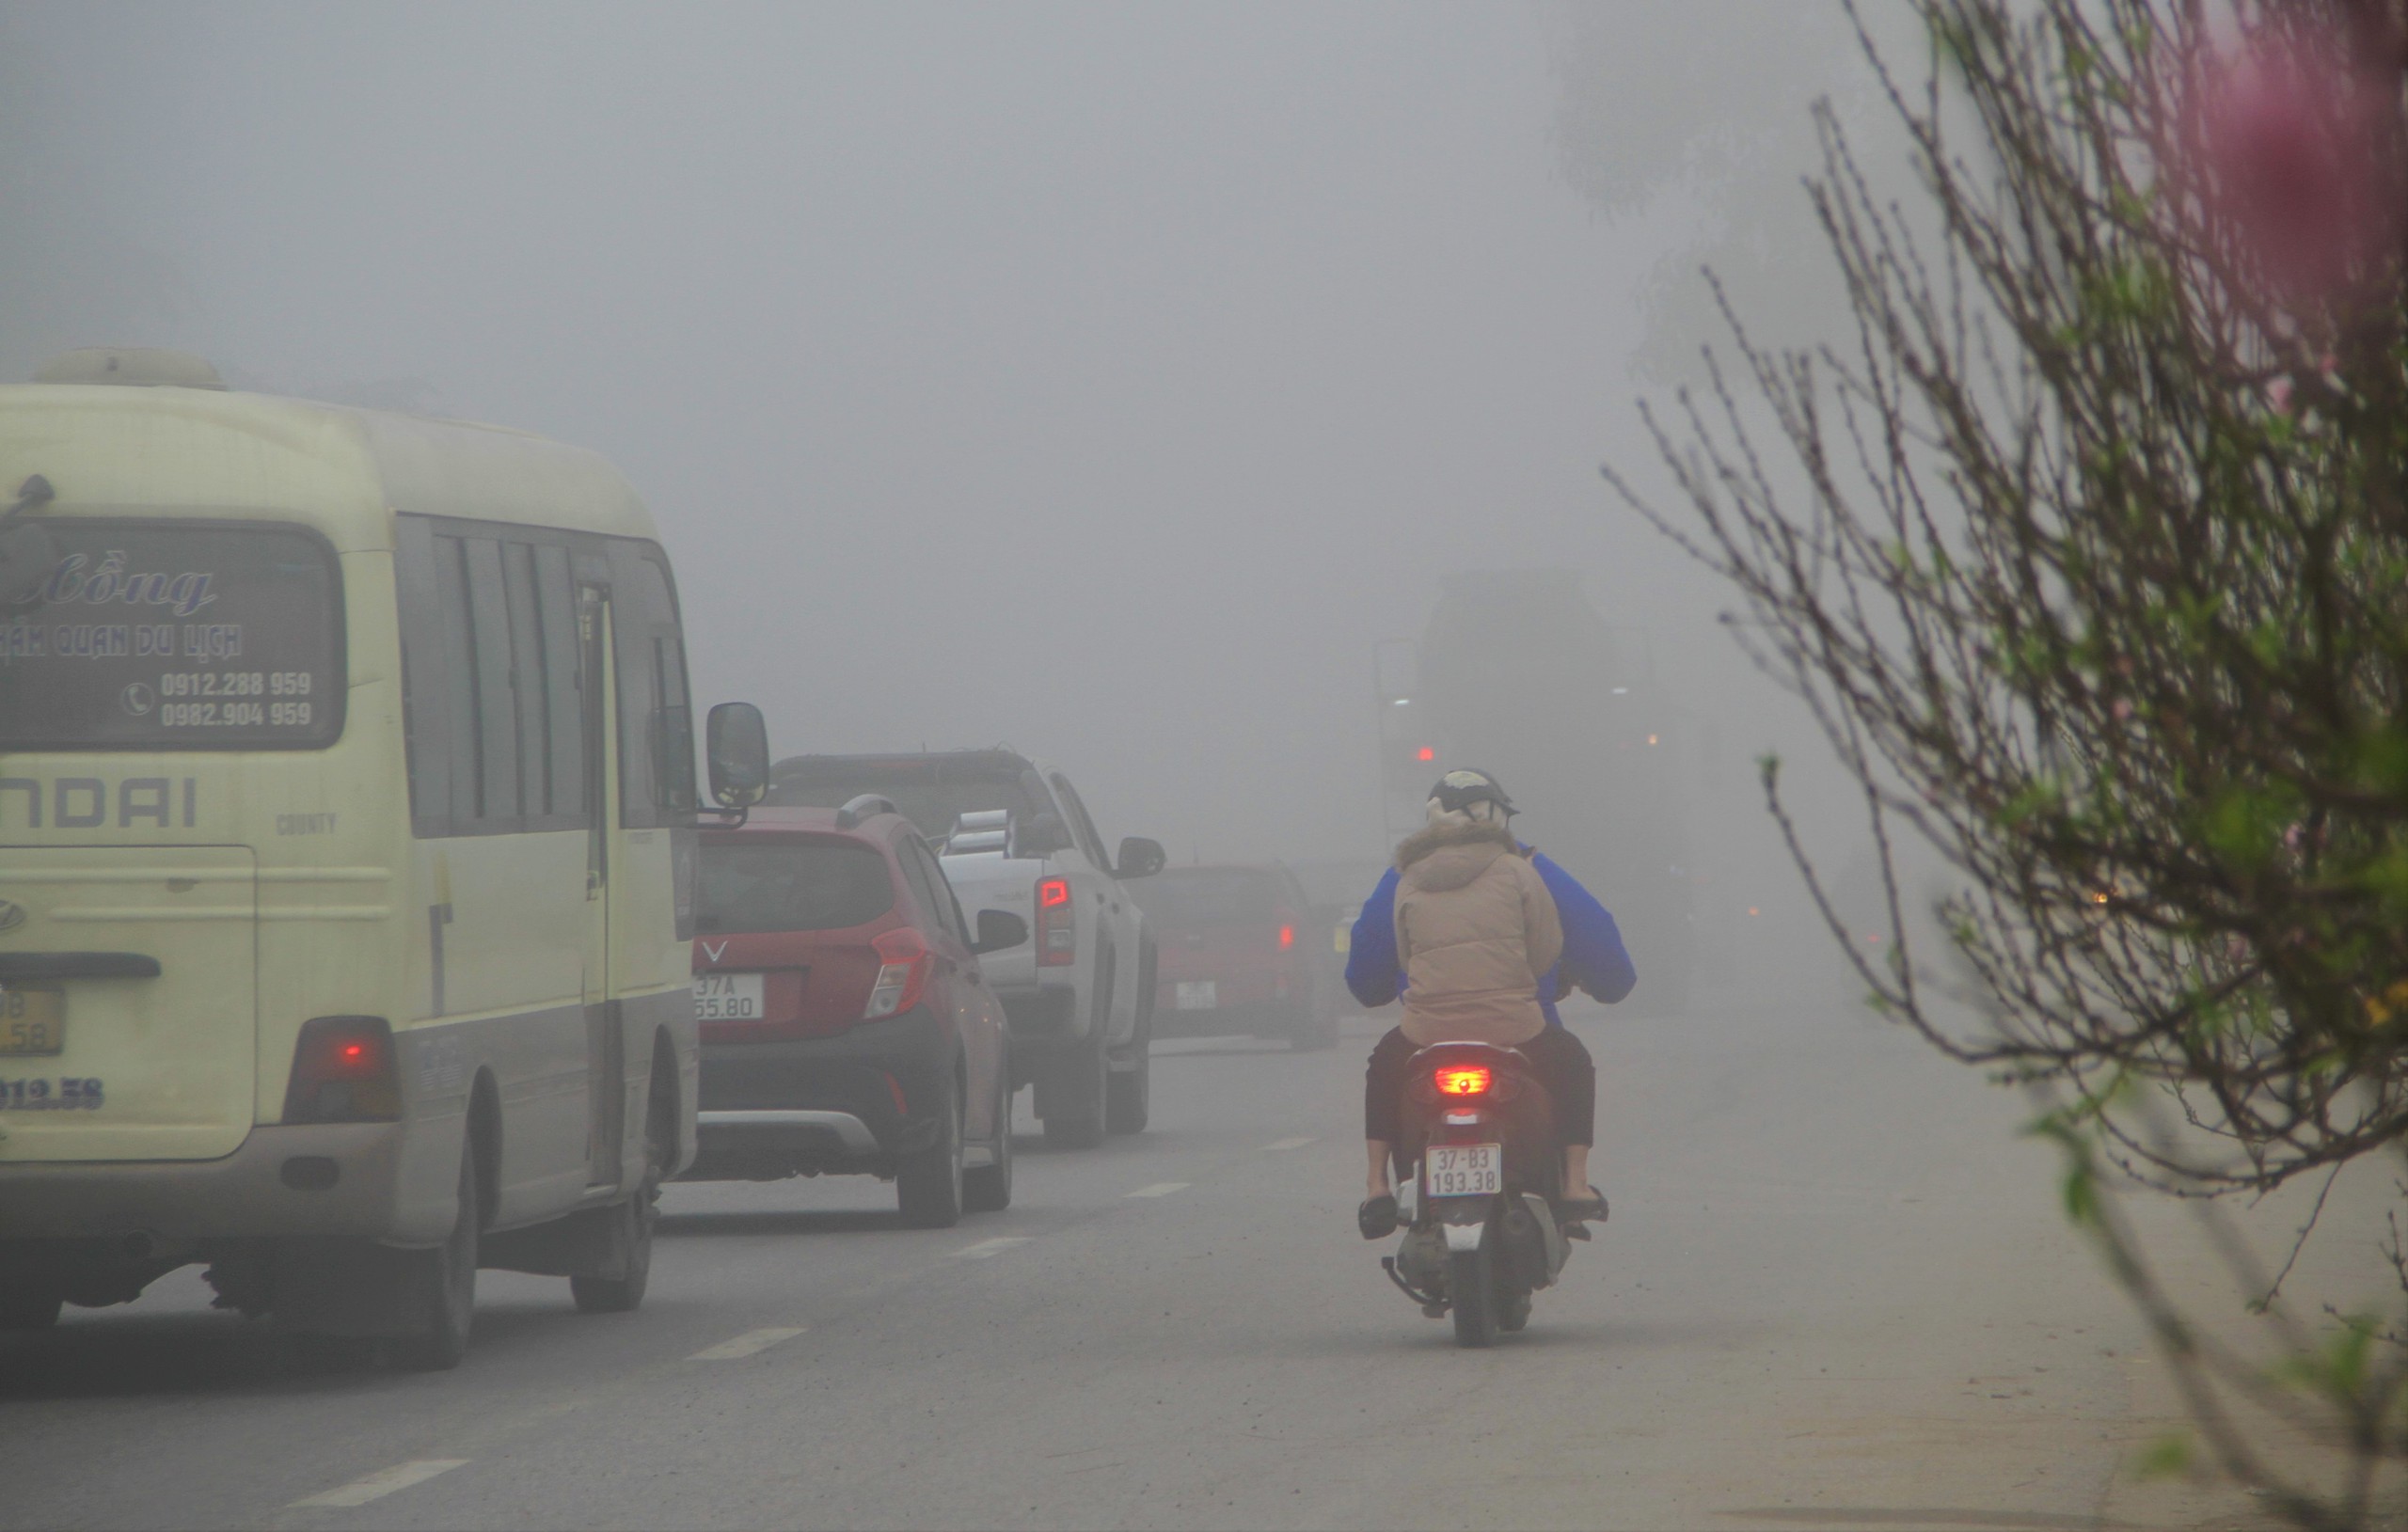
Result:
[
  {"x": 173, "y": 636},
  {"x": 781, "y": 885}
]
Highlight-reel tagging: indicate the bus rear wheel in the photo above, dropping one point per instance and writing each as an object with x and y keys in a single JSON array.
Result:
[{"x": 439, "y": 1286}]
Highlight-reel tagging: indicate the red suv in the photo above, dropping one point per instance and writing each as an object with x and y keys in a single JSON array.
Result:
[
  {"x": 846, "y": 1027},
  {"x": 1239, "y": 949}
]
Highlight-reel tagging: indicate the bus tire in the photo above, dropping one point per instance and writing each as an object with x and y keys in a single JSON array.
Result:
[
  {"x": 632, "y": 1224},
  {"x": 440, "y": 1285}
]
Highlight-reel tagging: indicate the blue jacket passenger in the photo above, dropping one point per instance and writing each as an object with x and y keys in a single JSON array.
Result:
[{"x": 1593, "y": 960}]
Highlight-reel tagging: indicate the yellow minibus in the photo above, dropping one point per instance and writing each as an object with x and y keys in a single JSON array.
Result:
[{"x": 347, "y": 829}]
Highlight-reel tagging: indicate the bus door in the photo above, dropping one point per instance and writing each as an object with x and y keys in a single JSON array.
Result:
[{"x": 605, "y": 1027}]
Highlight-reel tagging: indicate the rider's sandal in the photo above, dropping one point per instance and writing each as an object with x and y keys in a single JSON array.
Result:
[
  {"x": 1588, "y": 1210},
  {"x": 1377, "y": 1217}
]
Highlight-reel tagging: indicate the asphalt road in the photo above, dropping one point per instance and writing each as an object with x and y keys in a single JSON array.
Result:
[{"x": 1835, "y": 1291}]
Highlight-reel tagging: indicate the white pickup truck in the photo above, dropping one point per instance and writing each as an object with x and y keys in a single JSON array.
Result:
[{"x": 1078, "y": 994}]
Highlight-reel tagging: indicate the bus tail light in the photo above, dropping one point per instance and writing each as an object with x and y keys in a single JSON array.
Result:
[
  {"x": 904, "y": 961},
  {"x": 343, "y": 1070},
  {"x": 1057, "y": 925}
]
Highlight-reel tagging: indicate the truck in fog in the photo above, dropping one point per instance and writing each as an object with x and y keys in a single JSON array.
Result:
[{"x": 1516, "y": 675}]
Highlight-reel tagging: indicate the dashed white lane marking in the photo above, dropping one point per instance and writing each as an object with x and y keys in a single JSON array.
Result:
[
  {"x": 1287, "y": 1143},
  {"x": 1160, "y": 1188},
  {"x": 750, "y": 1343},
  {"x": 384, "y": 1481},
  {"x": 985, "y": 1248}
]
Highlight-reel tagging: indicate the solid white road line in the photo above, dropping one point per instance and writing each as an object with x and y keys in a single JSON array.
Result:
[
  {"x": 1160, "y": 1188},
  {"x": 383, "y": 1482},
  {"x": 750, "y": 1343},
  {"x": 985, "y": 1248},
  {"x": 1288, "y": 1143}
]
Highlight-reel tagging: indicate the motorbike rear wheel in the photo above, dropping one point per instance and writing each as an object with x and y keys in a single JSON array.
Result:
[
  {"x": 1471, "y": 1291},
  {"x": 1512, "y": 1311}
]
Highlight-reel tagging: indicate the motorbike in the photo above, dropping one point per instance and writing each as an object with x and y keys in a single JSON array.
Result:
[{"x": 1479, "y": 1210}]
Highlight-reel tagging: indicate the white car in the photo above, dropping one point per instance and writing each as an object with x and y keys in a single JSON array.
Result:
[{"x": 1078, "y": 995}]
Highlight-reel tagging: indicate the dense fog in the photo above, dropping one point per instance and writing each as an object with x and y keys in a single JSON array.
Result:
[{"x": 1106, "y": 380}]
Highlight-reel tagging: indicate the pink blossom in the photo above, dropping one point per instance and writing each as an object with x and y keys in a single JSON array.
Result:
[{"x": 2291, "y": 144}]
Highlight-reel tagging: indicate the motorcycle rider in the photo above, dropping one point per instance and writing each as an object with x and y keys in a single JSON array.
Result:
[{"x": 1478, "y": 934}]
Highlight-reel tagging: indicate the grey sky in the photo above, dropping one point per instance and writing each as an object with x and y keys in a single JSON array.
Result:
[{"x": 1100, "y": 379}]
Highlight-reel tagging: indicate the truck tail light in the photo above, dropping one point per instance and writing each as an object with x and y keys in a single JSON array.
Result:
[
  {"x": 904, "y": 960},
  {"x": 1057, "y": 925},
  {"x": 343, "y": 1070}
]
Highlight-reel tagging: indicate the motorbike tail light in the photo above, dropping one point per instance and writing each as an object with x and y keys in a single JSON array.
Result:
[
  {"x": 904, "y": 960},
  {"x": 1057, "y": 925},
  {"x": 1286, "y": 936},
  {"x": 343, "y": 1070},
  {"x": 1463, "y": 1080}
]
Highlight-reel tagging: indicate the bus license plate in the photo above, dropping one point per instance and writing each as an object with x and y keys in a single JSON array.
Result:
[
  {"x": 32, "y": 1020},
  {"x": 1463, "y": 1170},
  {"x": 728, "y": 997},
  {"x": 1197, "y": 995}
]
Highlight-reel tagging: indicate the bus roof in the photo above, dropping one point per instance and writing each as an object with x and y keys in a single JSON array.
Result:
[{"x": 171, "y": 452}]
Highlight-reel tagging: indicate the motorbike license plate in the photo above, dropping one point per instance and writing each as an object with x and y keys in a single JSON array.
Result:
[
  {"x": 32, "y": 1022},
  {"x": 728, "y": 997},
  {"x": 1463, "y": 1170},
  {"x": 1197, "y": 995}
]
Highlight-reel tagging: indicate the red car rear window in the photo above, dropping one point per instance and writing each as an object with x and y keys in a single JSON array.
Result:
[{"x": 780, "y": 885}]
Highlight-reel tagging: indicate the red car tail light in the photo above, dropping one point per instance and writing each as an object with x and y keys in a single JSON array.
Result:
[
  {"x": 904, "y": 961},
  {"x": 343, "y": 1070},
  {"x": 1463, "y": 1080},
  {"x": 1057, "y": 925}
]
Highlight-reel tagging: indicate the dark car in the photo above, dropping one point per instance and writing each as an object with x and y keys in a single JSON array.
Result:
[
  {"x": 845, "y": 1026},
  {"x": 1240, "y": 951}
]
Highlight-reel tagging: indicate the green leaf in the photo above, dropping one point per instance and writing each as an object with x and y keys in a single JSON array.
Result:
[
  {"x": 2081, "y": 1196},
  {"x": 2245, "y": 826},
  {"x": 2165, "y": 1458}
]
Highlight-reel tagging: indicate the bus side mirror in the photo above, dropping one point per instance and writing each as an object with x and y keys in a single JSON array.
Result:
[
  {"x": 1140, "y": 858},
  {"x": 738, "y": 750}
]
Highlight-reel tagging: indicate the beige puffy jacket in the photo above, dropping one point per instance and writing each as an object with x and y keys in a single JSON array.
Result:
[{"x": 1475, "y": 930}]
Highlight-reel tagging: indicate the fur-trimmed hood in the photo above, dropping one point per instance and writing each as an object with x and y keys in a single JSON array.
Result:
[{"x": 1421, "y": 843}]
